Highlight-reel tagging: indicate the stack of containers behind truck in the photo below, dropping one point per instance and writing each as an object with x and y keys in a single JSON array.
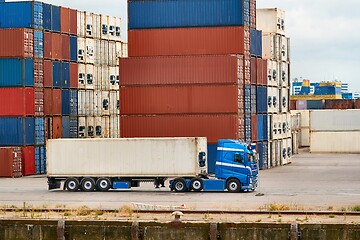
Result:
[
  {"x": 99, "y": 47},
  {"x": 188, "y": 73},
  {"x": 276, "y": 50}
]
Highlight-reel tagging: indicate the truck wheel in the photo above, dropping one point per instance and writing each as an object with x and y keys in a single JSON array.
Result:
[
  {"x": 88, "y": 184},
  {"x": 179, "y": 185},
  {"x": 72, "y": 184},
  {"x": 233, "y": 185},
  {"x": 103, "y": 184},
  {"x": 196, "y": 184}
]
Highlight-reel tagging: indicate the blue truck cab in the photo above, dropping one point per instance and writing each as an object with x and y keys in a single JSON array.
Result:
[{"x": 236, "y": 170}]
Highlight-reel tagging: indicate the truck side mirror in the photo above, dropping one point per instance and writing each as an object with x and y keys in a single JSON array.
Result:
[
  {"x": 238, "y": 158},
  {"x": 202, "y": 159}
]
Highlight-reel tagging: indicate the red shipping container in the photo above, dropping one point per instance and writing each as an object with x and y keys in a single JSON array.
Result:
[
  {"x": 189, "y": 41},
  {"x": 39, "y": 101},
  {"x": 73, "y": 75},
  {"x": 254, "y": 127},
  {"x": 10, "y": 162},
  {"x": 28, "y": 161},
  {"x": 38, "y": 73},
  {"x": 56, "y": 46},
  {"x": 56, "y": 102},
  {"x": 73, "y": 22},
  {"x": 17, "y": 43},
  {"x": 214, "y": 127},
  {"x": 65, "y": 41},
  {"x": 292, "y": 104},
  {"x": 56, "y": 127},
  {"x": 264, "y": 72},
  {"x": 48, "y": 101},
  {"x": 205, "y": 69},
  {"x": 185, "y": 99},
  {"x": 17, "y": 101},
  {"x": 340, "y": 104},
  {"x": 47, "y": 45},
  {"x": 253, "y": 14},
  {"x": 259, "y": 71},
  {"x": 357, "y": 104},
  {"x": 48, "y": 75},
  {"x": 65, "y": 20},
  {"x": 253, "y": 70}
]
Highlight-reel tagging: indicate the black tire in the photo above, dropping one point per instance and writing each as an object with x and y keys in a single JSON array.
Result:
[
  {"x": 179, "y": 185},
  {"x": 233, "y": 185},
  {"x": 72, "y": 184},
  {"x": 87, "y": 184},
  {"x": 103, "y": 184},
  {"x": 196, "y": 184}
]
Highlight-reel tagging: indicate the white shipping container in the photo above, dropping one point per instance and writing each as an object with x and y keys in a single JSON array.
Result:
[
  {"x": 104, "y": 27},
  {"x": 335, "y": 142},
  {"x": 124, "y": 48},
  {"x": 82, "y": 127},
  {"x": 114, "y": 103},
  {"x": 295, "y": 120},
  {"x": 114, "y": 78},
  {"x": 89, "y": 52},
  {"x": 105, "y": 101},
  {"x": 81, "y": 45},
  {"x": 89, "y": 22},
  {"x": 126, "y": 157},
  {"x": 305, "y": 137},
  {"x": 112, "y": 54},
  {"x": 284, "y": 49},
  {"x": 98, "y": 75},
  {"x": 105, "y": 83},
  {"x": 273, "y": 99},
  {"x": 284, "y": 74},
  {"x": 104, "y": 53},
  {"x": 335, "y": 120},
  {"x": 118, "y": 49},
  {"x": 112, "y": 28},
  {"x": 89, "y": 103},
  {"x": 97, "y": 26},
  {"x": 305, "y": 118},
  {"x": 81, "y": 76},
  {"x": 98, "y": 127},
  {"x": 114, "y": 126},
  {"x": 275, "y": 153},
  {"x": 283, "y": 147},
  {"x": 284, "y": 100},
  {"x": 273, "y": 73},
  {"x": 105, "y": 126},
  {"x": 270, "y": 20},
  {"x": 97, "y": 52},
  {"x": 270, "y": 46},
  {"x": 81, "y": 24},
  {"x": 295, "y": 136},
  {"x": 90, "y": 130},
  {"x": 117, "y": 29},
  {"x": 81, "y": 102},
  {"x": 289, "y": 149},
  {"x": 288, "y": 124},
  {"x": 90, "y": 76},
  {"x": 97, "y": 103},
  {"x": 274, "y": 127}
]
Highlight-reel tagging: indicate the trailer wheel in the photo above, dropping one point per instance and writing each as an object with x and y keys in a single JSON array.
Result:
[
  {"x": 233, "y": 185},
  {"x": 103, "y": 184},
  {"x": 88, "y": 184},
  {"x": 179, "y": 185},
  {"x": 196, "y": 184},
  {"x": 72, "y": 184}
]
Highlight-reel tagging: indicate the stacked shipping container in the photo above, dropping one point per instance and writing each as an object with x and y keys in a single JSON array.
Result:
[
  {"x": 39, "y": 79},
  {"x": 189, "y": 72},
  {"x": 275, "y": 48}
]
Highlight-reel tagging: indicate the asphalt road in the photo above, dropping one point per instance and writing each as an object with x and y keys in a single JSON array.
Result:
[{"x": 312, "y": 181}]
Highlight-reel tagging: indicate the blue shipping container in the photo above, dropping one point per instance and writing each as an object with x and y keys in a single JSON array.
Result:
[
  {"x": 260, "y": 127},
  {"x": 21, "y": 15},
  {"x": 256, "y": 42},
  {"x": 65, "y": 75},
  {"x": 65, "y": 102},
  {"x": 247, "y": 99},
  {"x": 16, "y": 72},
  {"x": 55, "y": 18},
  {"x": 73, "y": 48},
  {"x": 211, "y": 157},
  {"x": 56, "y": 71},
  {"x": 248, "y": 128},
  {"x": 39, "y": 131},
  {"x": 73, "y": 102},
  {"x": 253, "y": 99},
  {"x": 261, "y": 99},
  {"x": 265, "y": 127},
  {"x": 315, "y": 104},
  {"x": 38, "y": 44},
  {"x": 47, "y": 16},
  {"x": 73, "y": 127},
  {"x": 263, "y": 155},
  {"x": 17, "y": 131},
  {"x": 37, "y": 160},
  {"x": 65, "y": 127},
  {"x": 43, "y": 159},
  {"x": 188, "y": 13}
]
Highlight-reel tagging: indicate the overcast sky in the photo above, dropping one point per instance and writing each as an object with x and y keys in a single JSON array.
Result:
[{"x": 325, "y": 36}]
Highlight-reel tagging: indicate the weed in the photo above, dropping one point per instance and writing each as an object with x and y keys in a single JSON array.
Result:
[
  {"x": 24, "y": 210},
  {"x": 331, "y": 216},
  {"x": 83, "y": 211},
  {"x": 330, "y": 208},
  {"x": 278, "y": 207},
  {"x": 259, "y": 220},
  {"x": 356, "y": 208},
  {"x": 67, "y": 214},
  {"x": 99, "y": 212}
]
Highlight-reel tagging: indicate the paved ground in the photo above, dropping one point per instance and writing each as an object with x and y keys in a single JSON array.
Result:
[{"x": 312, "y": 181}]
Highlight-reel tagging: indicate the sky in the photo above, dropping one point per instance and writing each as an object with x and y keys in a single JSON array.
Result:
[{"x": 325, "y": 39}]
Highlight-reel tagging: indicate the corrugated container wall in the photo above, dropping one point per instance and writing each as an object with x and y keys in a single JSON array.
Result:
[
  {"x": 335, "y": 120},
  {"x": 189, "y": 41},
  {"x": 16, "y": 131},
  {"x": 17, "y": 102},
  {"x": 28, "y": 161},
  {"x": 16, "y": 43},
  {"x": 191, "y": 13},
  {"x": 10, "y": 162},
  {"x": 16, "y": 72},
  {"x": 256, "y": 42},
  {"x": 181, "y": 70}
]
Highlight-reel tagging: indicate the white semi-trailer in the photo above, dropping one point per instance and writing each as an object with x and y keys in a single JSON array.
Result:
[{"x": 103, "y": 164}]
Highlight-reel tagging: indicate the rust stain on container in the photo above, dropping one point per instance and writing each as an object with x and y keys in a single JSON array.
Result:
[
  {"x": 48, "y": 73},
  {"x": 17, "y": 43},
  {"x": 189, "y": 41},
  {"x": 73, "y": 75},
  {"x": 10, "y": 162},
  {"x": 56, "y": 46},
  {"x": 52, "y": 101},
  {"x": 185, "y": 99},
  {"x": 220, "y": 69},
  {"x": 214, "y": 127},
  {"x": 56, "y": 127},
  {"x": 17, "y": 102}
]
